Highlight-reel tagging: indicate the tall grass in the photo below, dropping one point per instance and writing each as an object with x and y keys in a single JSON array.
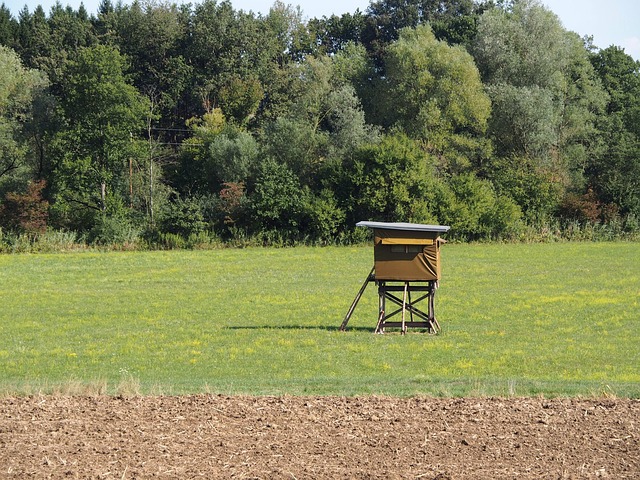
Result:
[{"x": 552, "y": 319}]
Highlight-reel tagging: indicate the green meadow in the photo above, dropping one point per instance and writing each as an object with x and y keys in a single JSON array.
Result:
[{"x": 517, "y": 319}]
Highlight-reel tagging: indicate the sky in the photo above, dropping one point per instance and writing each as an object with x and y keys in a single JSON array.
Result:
[{"x": 610, "y": 22}]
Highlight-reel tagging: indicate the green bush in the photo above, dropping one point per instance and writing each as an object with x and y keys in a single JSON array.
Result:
[
  {"x": 474, "y": 211},
  {"x": 171, "y": 241},
  {"x": 503, "y": 220},
  {"x": 58, "y": 241},
  {"x": 325, "y": 218},
  {"x": 203, "y": 241},
  {"x": 11, "y": 242},
  {"x": 392, "y": 181},
  {"x": 533, "y": 187},
  {"x": 111, "y": 230},
  {"x": 183, "y": 217},
  {"x": 276, "y": 206}
]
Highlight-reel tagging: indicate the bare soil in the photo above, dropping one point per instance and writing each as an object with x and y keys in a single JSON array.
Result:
[{"x": 214, "y": 436}]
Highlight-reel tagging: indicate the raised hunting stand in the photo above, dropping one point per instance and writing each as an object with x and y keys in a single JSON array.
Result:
[{"x": 407, "y": 260}]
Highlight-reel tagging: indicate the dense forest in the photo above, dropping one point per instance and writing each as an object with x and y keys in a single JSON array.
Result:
[{"x": 167, "y": 125}]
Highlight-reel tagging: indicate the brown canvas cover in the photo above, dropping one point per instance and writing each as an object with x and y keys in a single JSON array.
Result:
[
  {"x": 406, "y": 252},
  {"x": 411, "y": 264}
]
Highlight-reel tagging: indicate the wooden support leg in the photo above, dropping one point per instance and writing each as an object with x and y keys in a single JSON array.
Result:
[
  {"x": 381, "y": 308},
  {"x": 410, "y": 305},
  {"x": 379, "y": 328},
  {"x": 356, "y": 300},
  {"x": 435, "y": 326},
  {"x": 404, "y": 306}
]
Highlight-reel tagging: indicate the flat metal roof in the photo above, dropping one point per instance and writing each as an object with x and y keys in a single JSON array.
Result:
[{"x": 411, "y": 227}]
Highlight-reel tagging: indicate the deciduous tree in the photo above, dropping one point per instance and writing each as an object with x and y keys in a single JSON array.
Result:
[
  {"x": 19, "y": 89},
  {"x": 546, "y": 97},
  {"x": 105, "y": 115},
  {"x": 615, "y": 172},
  {"x": 434, "y": 94}
]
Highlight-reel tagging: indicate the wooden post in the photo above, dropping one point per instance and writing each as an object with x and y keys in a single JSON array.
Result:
[
  {"x": 381, "y": 308},
  {"x": 432, "y": 314},
  {"x": 404, "y": 306}
]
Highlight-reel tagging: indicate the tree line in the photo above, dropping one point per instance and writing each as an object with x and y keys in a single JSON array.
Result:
[{"x": 163, "y": 123}]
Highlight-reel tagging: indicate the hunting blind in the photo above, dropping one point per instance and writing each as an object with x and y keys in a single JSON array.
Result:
[{"x": 406, "y": 261}]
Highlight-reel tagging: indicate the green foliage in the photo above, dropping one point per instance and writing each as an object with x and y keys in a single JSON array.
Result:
[
  {"x": 583, "y": 102},
  {"x": 150, "y": 34},
  {"x": 433, "y": 87},
  {"x": 618, "y": 169},
  {"x": 614, "y": 173},
  {"x": 454, "y": 21},
  {"x": 67, "y": 32},
  {"x": 327, "y": 122},
  {"x": 345, "y": 123},
  {"x": 545, "y": 94},
  {"x": 324, "y": 217},
  {"x": 473, "y": 210},
  {"x": 8, "y": 27},
  {"x": 183, "y": 217},
  {"x": 523, "y": 120},
  {"x": 296, "y": 144},
  {"x": 233, "y": 155},
  {"x": 240, "y": 98},
  {"x": 335, "y": 33},
  {"x": 20, "y": 89},
  {"x": 534, "y": 188},
  {"x": 218, "y": 152},
  {"x": 104, "y": 116},
  {"x": 191, "y": 174},
  {"x": 392, "y": 180},
  {"x": 202, "y": 240},
  {"x": 235, "y": 56},
  {"x": 148, "y": 105},
  {"x": 277, "y": 202},
  {"x": 112, "y": 230},
  {"x": 435, "y": 94},
  {"x": 522, "y": 46}
]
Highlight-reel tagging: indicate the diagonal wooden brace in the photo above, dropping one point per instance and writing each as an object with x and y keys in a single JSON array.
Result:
[{"x": 370, "y": 278}]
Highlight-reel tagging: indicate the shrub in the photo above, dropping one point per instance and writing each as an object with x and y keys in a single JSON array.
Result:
[
  {"x": 392, "y": 180},
  {"x": 583, "y": 208},
  {"x": 536, "y": 190},
  {"x": 171, "y": 241},
  {"x": 58, "y": 241},
  {"x": 203, "y": 241},
  {"x": 474, "y": 211},
  {"x": 231, "y": 205},
  {"x": 112, "y": 230},
  {"x": 503, "y": 220},
  {"x": 324, "y": 217},
  {"x": 28, "y": 212},
  {"x": 183, "y": 217},
  {"x": 277, "y": 203}
]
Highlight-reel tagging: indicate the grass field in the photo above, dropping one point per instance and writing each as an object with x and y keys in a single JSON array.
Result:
[{"x": 552, "y": 319}]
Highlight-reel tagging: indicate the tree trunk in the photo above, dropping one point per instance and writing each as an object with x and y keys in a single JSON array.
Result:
[
  {"x": 151, "y": 190},
  {"x": 103, "y": 195}
]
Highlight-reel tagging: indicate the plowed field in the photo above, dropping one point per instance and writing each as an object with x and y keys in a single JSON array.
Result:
[{"x": 214, "y": 436}]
